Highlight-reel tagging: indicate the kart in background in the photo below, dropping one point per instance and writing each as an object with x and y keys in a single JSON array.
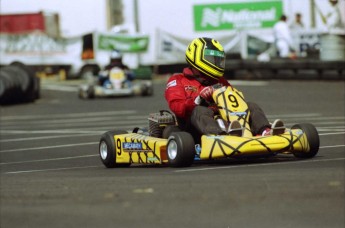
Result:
[
  {"x": 165, "y": 143},
  {"x": 117, "y": 85}
]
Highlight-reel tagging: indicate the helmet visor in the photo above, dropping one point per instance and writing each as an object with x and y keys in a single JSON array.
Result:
[{"x": 215, "y": 57}]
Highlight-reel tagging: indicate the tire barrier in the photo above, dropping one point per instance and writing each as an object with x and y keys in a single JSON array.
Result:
[{"x": 18, "y": 84}]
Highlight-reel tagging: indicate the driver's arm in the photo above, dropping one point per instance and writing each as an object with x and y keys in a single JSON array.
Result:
[{"x": 178, "y": 101}]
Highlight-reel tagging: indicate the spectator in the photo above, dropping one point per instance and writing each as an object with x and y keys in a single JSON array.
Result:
[
  {"x": 297, "y": 23},
  {"x": 282, "y": 37}
]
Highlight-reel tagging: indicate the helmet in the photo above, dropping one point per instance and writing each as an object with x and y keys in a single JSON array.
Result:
[
  {"x": 206, "y": 55},
  {"x": 115, "y": 54}
]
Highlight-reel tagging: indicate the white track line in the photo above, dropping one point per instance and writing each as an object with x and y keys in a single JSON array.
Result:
[
  {"x": 58, "y": 169},
  {"x": 332, "y": 146},
  {"x": 50, "y": 159},
  {"x": 66, "y": 115},
  {"x": 332, "y": 133},
  {"x": 60, "y": 88},
  {"x": 47, "y": 137},
  {"x": 48, "y": 147},
  {"x": 256, "y": 165}
]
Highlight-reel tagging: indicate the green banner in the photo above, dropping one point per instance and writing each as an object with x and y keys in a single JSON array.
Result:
[
  {"x": 123, "y": 43},
  {"x": 263, "y": 14}
]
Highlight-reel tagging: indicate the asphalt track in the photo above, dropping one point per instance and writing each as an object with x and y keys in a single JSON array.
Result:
[{"x": 51, "y": 175}]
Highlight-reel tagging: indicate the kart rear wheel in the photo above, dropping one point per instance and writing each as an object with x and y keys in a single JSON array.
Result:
[
  {"x": 313, "y": 140},
  {"x": 107, "y": 149},
  {"x": 180, "y": 149},
  {"x": 168, "y": 130}
]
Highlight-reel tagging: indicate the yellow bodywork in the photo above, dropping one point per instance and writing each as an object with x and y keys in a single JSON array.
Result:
[
  {"x": 232, "y": 146},
  {"x": 152, "y": 150},
  {"x": 232, "y": 106}
]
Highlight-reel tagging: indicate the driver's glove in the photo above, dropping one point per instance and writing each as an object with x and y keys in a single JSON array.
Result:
[{"x": 206, "y": 93}]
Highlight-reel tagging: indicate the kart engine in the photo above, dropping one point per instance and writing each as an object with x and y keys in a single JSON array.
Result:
[{"x": 158, "y": 121}]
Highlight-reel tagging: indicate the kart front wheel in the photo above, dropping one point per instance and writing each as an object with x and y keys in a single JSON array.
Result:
[
  {"x": 146, "y": 90},
  {"x": 86, "y": 92},
  {"x": 180, "y": 149},
  {"x": 107, "y": 150},
  {"x": 313, "y": 140}
]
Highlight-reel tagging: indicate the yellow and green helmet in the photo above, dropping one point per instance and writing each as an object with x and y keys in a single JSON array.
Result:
[{"x": 206, "y": 55}]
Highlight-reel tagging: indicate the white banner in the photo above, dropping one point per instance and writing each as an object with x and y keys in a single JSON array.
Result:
[{"x": 171, "y": 49}]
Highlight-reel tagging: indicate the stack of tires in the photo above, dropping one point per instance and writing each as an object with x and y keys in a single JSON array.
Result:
[{"x": 18, "y": 84}]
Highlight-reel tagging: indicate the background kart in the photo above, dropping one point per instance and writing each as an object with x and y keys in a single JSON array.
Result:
[
  {"x": 138, "y": 87},
  {"x": 165, "y": 143},
  {"x": 117, "y": 86}
]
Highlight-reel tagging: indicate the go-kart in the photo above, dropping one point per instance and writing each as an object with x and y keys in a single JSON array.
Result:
[
  {"x": 117, "y": 85},
  {"x": 165, "y": 143}
]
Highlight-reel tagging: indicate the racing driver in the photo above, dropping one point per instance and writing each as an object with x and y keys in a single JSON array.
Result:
[{"x": 206, "y": 60}]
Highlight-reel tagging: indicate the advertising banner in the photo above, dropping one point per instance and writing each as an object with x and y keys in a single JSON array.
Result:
[
  {"x": 227, "y": 16},
  {"x": 123, "y": 43},
  {"x": 171, "y": 48}
]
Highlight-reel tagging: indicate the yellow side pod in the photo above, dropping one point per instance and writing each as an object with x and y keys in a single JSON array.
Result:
[
  {"x": 138, "y": 148},
  {"x": 294, "y": 140}
]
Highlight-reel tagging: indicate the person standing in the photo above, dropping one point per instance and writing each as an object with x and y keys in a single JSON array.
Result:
[
  {"x": 282, "y": 37},
  {"x": 297, "y": 23}
]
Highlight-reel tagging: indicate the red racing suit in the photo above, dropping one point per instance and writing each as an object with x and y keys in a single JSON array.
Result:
[{"x": 181, "y": 91}]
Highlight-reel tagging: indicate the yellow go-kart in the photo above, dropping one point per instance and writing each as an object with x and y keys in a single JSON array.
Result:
[{"x": 164, "y": 143}]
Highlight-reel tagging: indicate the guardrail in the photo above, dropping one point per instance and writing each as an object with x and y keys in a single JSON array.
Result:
[{"x": 273, "y": 69}]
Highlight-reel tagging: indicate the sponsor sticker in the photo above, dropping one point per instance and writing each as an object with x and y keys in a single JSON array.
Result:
[
  {"x": 134, "y": 147},
  {"x": 171, "y": 84},
  {"x": 153, "y": 159},
  {"x": 238, "y": 113}
]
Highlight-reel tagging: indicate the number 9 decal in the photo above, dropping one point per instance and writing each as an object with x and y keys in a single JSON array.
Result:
[
  {"x": 233, "y": 100},
  {"x": 118, "y": 146}
]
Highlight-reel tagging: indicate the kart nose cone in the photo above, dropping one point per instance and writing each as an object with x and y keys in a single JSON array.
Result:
[{"x": 172, "y": 149}]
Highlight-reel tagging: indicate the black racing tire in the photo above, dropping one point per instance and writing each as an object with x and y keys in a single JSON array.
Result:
[
  {"x": 180, "y": 149},
  {"x": 107, "y": 149},
  {"x": 35, "y": 80},
  {"x": 27, "y": 75},
  {"x": 37, "y": 88},
  {"x": 88, "y": 93},
  {"x": 313, "y": 140},
  {"x": 19, "y": 83},
  {"x": 146, "y": 90},
  {"x": 10, "y": 89},
  {"x": 82, "y": 94},
  {"x": 168, "y": 130},
  {"x": 89, "y": 72},
  {"x": 32, "y": 93},
  {"x": 91, "y": 92}
]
